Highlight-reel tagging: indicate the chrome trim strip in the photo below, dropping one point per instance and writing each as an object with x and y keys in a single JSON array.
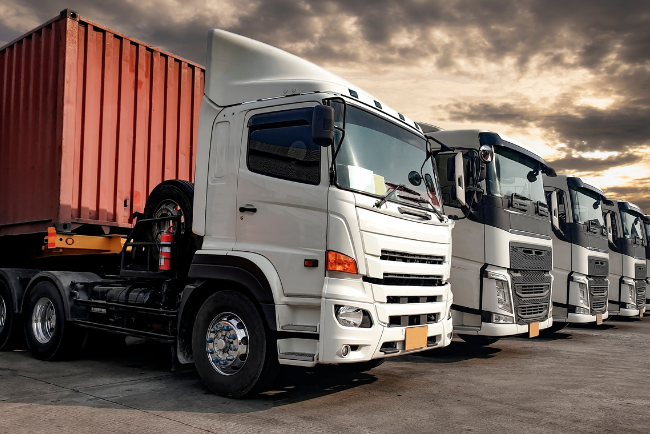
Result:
[
  {"x": 529, "y": 234},
  {"x": 528, "y": 215},
  {"x": 595, "y": 249}
]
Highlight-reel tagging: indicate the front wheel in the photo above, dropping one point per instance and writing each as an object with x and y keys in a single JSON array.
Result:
[
  {"x": 233, "y": 352},
  {"x": 47, "y": 333},
  {"x": 478, "y": 340}
]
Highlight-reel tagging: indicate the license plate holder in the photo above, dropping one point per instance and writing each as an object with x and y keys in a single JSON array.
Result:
[
  {"x": 599, "y": 318},
  {"x": 416, "y": 337},
  {"x": 533, "y": 329}
]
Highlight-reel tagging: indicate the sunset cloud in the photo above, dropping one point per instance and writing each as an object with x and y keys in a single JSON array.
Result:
[{"x": 571, "y": 79}]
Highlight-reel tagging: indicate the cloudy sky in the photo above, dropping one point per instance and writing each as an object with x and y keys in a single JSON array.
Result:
[{"x": 570, "y": 78}]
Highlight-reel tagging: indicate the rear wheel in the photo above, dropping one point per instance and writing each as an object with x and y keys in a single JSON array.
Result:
[
  {"x": 47, "y": 333},
  {"x": 8, "y": 335},
  {"x": 234, "y": 353},
  {"x": 478, "y": 340}
]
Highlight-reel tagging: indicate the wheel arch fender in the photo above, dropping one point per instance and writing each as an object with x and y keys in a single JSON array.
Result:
[
  {"x": 63, "y": 280},
  {"x": 17, "y": 280},
  {"x": 214, "y": 272}
]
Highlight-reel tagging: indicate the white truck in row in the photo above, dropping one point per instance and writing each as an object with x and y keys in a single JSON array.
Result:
[
  {"x": 502, "y": 250},
  {"x": 580, "y": 251},
  {"x": 627, "y": 258}
]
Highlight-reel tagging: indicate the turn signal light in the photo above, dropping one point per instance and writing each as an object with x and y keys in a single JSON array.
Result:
[{"x": 340, "y": 262}]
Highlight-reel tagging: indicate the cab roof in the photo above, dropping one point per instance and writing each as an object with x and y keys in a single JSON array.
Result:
[{"x": 240, "y": 70}]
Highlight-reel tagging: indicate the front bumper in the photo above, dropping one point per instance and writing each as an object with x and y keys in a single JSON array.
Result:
[
  {"x": 581, "y": 318},
  {"x": 367, "y": 343},
  {"x": 500, "y": 330}
]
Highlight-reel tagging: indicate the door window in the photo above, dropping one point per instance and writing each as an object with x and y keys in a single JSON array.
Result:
[{"x": 280, "y": 145}]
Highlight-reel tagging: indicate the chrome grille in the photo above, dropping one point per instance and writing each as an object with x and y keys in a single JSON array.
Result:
[
  {"x": 394, "y": 299},
  {"x": 532, "y": 295},
  {"x": 532, "y": 290},
  {"x": 411, "y": 280},
  {"x": 532, "y": 311},
  {"x": 640, "y": 294},
  {"x": 599, "y": 306},
  {"x": 598, "y": 288},
  {"x": 413, "y": 320},
  {"x": 413, "y": 258}
]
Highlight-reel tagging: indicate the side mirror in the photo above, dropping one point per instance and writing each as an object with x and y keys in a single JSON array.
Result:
[
  {"x": 608, "y": 223},
  {"x": 555, "y": 219},
  {"x": 459, "y": 181},
  {"x": 322, "y": 125}
]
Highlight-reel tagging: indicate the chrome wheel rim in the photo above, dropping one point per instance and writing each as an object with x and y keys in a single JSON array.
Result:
[
  {"x": 3, "y": 312},
  {"x": 226, "y": 343},
  {"x": 43, "y": 320},
  {"x": 167, "y": 208}
]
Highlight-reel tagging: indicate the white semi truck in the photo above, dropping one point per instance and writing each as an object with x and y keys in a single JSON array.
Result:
[
  {"x": 580, "y": 252},
  {"x": 313, "y": 233},
  {"x": 646, "y": 226},
  {"x": 503, "y": 251},
  {"x": 627, "y": 260}
]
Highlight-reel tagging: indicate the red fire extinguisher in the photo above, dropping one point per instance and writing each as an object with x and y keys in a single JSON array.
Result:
[{"x": 165, "y": 261}]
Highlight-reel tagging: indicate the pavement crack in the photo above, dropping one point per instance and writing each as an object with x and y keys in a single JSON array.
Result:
[{"x": 117, "y": 403}]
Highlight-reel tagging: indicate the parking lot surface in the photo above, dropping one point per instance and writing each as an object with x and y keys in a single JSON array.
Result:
[{"x": 580, "y": 380}]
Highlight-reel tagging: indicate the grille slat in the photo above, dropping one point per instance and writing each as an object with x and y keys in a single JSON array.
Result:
[{"x": 412, "y": 258}]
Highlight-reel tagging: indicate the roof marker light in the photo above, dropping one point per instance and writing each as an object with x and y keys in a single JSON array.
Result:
[
  {"x": 353, "y": 93},
  {"x": 378, "y": 104},
  {"x": 401, "y": 116}
]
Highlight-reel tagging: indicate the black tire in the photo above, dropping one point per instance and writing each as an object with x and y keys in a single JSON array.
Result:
[
  {"x": 182, "y": 194},
  {"x": 63, "y": 339},
  {"x": 9, "y": 331},
  {"x": 478, "y": 340},
  {"x": 556, "y": 327},
  {"x": 261, "y": 364},
  {"x": 361, "y": 366}
]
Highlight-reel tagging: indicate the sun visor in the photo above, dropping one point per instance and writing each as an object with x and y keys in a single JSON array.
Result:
[{"x": 239, "y": 69}]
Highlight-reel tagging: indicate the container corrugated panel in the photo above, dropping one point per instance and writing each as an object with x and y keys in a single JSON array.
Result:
[{"x": 90, "y": 122}]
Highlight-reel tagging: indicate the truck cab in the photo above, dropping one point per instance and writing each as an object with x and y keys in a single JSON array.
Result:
[
  {"x": 580, "y": 252},
  {"x": 502, "y": 250},
  {"x": 627, "y": 258}
]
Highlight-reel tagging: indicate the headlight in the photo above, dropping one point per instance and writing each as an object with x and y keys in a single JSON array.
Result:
[
  {"x": 632, "y": 292},
  {"x": 350, "y": 316},
  {"x": 584, "y": 294},
  {"x": 503, "y": 296}
]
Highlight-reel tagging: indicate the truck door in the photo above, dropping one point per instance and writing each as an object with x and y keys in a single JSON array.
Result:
[{"x": 282, "y": 197}]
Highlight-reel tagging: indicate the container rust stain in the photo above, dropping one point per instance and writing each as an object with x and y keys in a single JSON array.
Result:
[{"x": 90, "y": 122}]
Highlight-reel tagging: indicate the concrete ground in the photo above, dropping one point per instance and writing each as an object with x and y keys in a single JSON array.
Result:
[{"x": 581, "y": 380}]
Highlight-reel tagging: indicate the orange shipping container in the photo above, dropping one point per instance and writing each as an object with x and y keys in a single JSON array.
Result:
[{"x": 90, "y": 122}]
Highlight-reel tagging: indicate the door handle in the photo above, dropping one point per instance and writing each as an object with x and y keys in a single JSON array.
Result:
[{"x": 247, "y": 208}]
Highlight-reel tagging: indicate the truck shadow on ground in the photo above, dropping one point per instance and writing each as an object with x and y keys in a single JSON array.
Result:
[
  {"x": 139, "y": 377},
  {"x": 458, "y": 351}
]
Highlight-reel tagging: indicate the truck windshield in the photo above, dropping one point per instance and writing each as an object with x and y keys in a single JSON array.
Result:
[
  {"x": 377, "y": 155},
  {"x": 512, "y": 172},
  {"x": 631, "y": 225},
  {"x": 582, "y": 204}
]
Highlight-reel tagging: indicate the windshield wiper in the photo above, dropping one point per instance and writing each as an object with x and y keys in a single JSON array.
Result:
[{"x": 387, "y": 196}]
